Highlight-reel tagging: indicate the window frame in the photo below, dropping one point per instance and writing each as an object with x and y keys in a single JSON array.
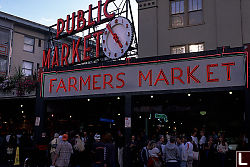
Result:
[
  {"x": 186, "y": 18},
  {"x": 27, "y": 36},
  {"x": 28, "y": 68},
  {"x": 176, "y": 14},
  {"x": 187, "y": 50}
]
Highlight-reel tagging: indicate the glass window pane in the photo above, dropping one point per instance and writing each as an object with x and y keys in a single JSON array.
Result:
[
  {"x": 193, "y": 48},
  {"x": 27, "y": 65},
  {"x": 199, "y": 4},
  {"x": 178, "y": 50},
  {"x": 177, "y": 20},
  {"x": 3, "y": 65},
  {"x": 201, "y": 47},
  {"x": 190, "y": 5},
  {"x": 172, "y": 7},
  {"x": 182, "y": 6},
  {"x": 196, "y": 48},
  {"x": 27, "y": 72},
  {"x": 195, "y": 5},
  {"x": 28, "y": 48},
  {"x": 177, "y": 7},
  {"x": 29, "y": 41},
  {"x": 195, "y": 18}
]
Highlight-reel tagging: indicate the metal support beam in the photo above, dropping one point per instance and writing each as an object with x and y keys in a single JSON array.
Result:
[{"x": 128, "y": 113}]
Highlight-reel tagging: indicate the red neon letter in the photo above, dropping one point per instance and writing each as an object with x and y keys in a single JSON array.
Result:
[
  {"x": 94, "y": 82},
  {"x": 99, "y": 15},
  {"x": 68, "y": 23},
  {"x": 86, "y": 49},
  {"x": 190, "y": 74},
  {"x": 109, "y": 82},
  {"x": 75, "y": 52},
  {"x": 73, "y": 85},
  {"x": 80, "y": 18},
  {"x": 179, "y": 77},
  {"x": 65, "y": 59},
  {"x": 210, "y": 73},
  {"x": 59, "y": 28},
  {"x": 46, "y": 59},
  {"x": 121, "y": 80},
  {"x": 105, "y": 11},
  {"x": 161, "y": 73},
  {"x": 50, "y": 84},
  {"x": 97, "y": 35},
  {"x": 149, "y": 75},
  {"x": 228, "y": 69},
  {"x": 82, "y": 81},
  {"x": 63, "y": 86},
  {"x": 90, "y": 20},
  {"x": 55, "y": 61}
]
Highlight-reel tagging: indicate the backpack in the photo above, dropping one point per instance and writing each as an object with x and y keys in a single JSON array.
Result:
[{"x": 79, "y": 146}]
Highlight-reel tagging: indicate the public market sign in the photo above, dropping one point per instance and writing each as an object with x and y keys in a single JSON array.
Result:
[
  {"x": 117, "y": 37},
  {"x": 145, "y": 76}
]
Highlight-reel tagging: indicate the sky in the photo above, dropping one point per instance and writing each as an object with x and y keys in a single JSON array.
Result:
[{"x": 47, "y": 12}]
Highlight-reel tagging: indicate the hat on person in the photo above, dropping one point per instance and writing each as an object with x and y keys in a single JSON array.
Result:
[
  {"x": 154, "y": 152},
  {"x": 56, "y": 135},
  {"x": 97, "y": 137},
  {"x": 65, "y": 137}
]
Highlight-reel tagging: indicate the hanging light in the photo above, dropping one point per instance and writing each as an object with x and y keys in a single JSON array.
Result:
[
  {"x": 189, "y": 94},
  {"x": 52, "y": 115},
  {"x": 22, "y": 111},
  {"x": 151, "y": 96},
  {"x": 118, "y": 114},
  {"x": 118, "y": 98},
  {"x": 21, "y": 105},
  {"x": 140, "y": 117},
  {"x": 70, "y": 116},
  {"x": 230, "y": 92},
  {"x": 88, "y": 99}
]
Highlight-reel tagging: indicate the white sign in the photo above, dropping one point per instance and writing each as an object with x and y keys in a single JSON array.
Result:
[
  {"x": 127, "y": 122},
  {"x": 37, "y": 122}
]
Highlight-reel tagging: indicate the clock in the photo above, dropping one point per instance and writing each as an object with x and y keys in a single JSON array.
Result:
[{"x": 117, "y": 37}]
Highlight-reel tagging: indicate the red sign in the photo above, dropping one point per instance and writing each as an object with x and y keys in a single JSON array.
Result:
[
  {"x": 242, "y": 158},
  {"x": 81, "y": 24}
]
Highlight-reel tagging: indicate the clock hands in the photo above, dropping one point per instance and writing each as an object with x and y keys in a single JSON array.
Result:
[{"x": 115, "y": 37}]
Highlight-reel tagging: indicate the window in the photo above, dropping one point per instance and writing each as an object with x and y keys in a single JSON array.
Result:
[
  {"x": 187, "y": 48},
  {"x": 178, "y": 49},
  {"x": 39, "y": 43},
  {"x": 196, "y": 47},
  {"x": 185, "y": 12},
  {"x": 195, "y": 12},
  {"x": 177, "y": 13},
  {"x": 3, "y": 65},
  {"x": 27, "y": 68},
  {"x": 28, "y": 44}
]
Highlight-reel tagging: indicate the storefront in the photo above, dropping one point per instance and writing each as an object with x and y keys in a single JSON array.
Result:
[{"x": 206, "y": 90}]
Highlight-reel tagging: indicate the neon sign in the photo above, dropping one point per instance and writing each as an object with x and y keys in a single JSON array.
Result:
[{"x": 77, "y": 23}]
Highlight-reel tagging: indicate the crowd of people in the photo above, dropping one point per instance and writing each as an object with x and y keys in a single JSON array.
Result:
[{"x": 77, "y": 149}]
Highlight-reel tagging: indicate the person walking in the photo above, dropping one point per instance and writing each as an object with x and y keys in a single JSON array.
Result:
[
  {"x": 79, "y": 147},
  {"x": 53, "y": 145},
  {"x": 189, "y": 147},
  {"x": 120, "y": 147},
  {"x": 145, "y": 154},
  {"x": 98, "y": 151},
  {"x": 171, "y": 153},
  {"x": 222, "y": 149},
  {"x": 109, "y": 151},
  {"x": 154, "y": 160},
  {"x": 63, "y": 153},
  {"x": 183, "y": 152}
]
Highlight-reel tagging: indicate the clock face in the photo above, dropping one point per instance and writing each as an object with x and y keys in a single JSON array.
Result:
[{"x": 117, "y": 37}]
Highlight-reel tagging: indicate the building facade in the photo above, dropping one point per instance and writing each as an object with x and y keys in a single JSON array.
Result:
[{"x": 183, "y": 26}]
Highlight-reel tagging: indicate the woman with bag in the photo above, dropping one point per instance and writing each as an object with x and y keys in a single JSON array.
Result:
[
  {"x": 154, "y": 160},
  {"x": 53, "y": 145}
]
